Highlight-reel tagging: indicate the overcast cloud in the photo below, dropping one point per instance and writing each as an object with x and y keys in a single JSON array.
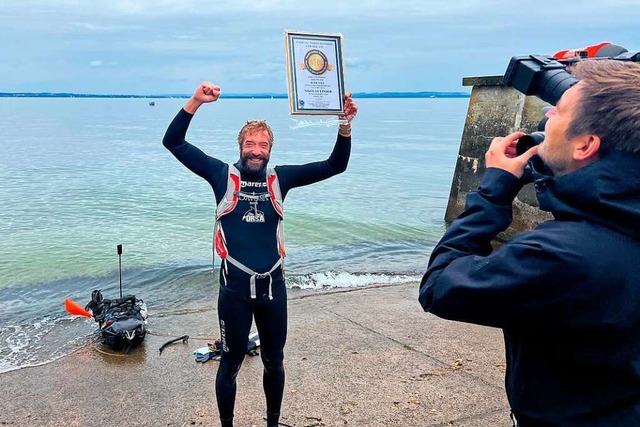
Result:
[{"x": 167, "y": 46}]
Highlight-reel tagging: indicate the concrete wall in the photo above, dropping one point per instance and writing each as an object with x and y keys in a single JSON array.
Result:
[{"x": 494, "y": 110}]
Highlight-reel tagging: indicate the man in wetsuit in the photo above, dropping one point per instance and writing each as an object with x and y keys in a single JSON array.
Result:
[
  {"x": 566, "y": 294},
  {"x": 252, "y": 284}
]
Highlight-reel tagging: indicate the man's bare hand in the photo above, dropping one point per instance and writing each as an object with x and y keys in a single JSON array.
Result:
[
  {"x": 350, "y": 109},
  {"x": 206, "y": 92}
]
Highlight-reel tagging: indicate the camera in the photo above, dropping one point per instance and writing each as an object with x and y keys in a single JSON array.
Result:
[
  {"x": 547, "y": 77},
  {"x": 539, "y": 75}
]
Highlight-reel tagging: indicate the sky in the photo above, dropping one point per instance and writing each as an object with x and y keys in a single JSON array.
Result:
[{"x": 151, "y": 47}]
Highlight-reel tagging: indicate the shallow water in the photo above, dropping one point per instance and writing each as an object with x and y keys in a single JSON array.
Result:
[{"x": 83, "y": 175}]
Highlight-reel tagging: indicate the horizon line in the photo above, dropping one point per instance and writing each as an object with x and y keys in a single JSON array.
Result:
[{"x": 397, "y": 94}]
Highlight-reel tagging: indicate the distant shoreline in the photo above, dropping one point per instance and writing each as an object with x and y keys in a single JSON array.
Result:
[{"x": 232, "y": 95}]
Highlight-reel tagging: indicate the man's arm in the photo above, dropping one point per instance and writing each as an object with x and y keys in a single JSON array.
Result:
[
  {"x": 465, "y": 280},
  {"x": 456, "y": 285},
  {"x": 292, "y": 176},
  {"x": 174, "y": 140},
  {"x": 204, "y": 94}
]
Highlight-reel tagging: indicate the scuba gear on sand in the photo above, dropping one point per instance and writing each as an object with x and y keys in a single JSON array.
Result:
[
  {"x": 122, "y": 321},
  {"x": 214, "y": 351},
  {"x": 184, "y": 339},
  {"x": 210, "y": 352}
]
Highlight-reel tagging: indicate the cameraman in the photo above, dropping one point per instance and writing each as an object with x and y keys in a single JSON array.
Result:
[{"x": 566, "y": 294}]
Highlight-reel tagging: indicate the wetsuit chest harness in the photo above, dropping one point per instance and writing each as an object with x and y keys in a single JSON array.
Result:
[{"x": 228, "y": 204}]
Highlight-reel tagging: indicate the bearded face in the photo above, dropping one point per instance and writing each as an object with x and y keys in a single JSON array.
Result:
[
  {"x": 254, "y": 163},
  {"x": 255, "y": 152}
]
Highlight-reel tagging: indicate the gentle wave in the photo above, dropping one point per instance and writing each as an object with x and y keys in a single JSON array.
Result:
[
  {"x": 332, "y": 280},
  {"x": 42, "y": 341}
]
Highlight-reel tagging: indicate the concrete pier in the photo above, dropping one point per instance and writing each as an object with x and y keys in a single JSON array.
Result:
[{"x": 494, "y": 110}]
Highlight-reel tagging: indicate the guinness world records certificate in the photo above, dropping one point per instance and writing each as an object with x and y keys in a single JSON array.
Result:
[{"x": 315, "y": 73}]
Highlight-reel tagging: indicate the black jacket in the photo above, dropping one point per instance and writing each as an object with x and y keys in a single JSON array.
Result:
[{"x": 566, "y": 294}]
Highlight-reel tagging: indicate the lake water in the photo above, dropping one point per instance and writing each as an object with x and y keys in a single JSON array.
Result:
[{"x": 79, "y": 176}]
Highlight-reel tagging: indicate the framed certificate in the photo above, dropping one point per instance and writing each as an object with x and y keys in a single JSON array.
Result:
[{"x": 315, "y": 73}]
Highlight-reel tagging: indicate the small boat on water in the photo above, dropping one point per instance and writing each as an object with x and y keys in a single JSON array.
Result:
[{"x": 152, "y": 103}]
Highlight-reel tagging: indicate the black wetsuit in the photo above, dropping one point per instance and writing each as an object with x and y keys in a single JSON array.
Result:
[{"x": 250, "y": 231}]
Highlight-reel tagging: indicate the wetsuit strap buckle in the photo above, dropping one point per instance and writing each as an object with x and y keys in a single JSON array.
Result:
[
  {"x": 252, "y": 283},
  {"x": 254, "y": 274}
]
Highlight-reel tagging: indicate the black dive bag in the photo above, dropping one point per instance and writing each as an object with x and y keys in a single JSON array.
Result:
[{"x": 122, "y": 321}]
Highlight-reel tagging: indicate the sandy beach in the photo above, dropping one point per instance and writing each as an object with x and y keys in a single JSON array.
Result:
[{"x": 359, "y": 357}]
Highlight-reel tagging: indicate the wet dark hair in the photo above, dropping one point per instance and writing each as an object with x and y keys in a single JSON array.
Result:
[{"x": 255, "y": 126}]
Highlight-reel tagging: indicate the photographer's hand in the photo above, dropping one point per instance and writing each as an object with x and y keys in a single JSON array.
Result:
[{"x": 502, "y": 155}]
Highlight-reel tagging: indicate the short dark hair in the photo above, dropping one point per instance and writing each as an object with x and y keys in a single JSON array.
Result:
[{"x": 609, "y": 103}]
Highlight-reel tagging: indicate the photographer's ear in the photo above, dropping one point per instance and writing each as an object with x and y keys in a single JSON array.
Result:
[{"x": 586, "y": 147}]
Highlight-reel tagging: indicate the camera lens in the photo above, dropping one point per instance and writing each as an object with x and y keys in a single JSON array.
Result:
[
  {"x": 539, "y": 75},
  {"x": 527, "y": 141},
  {"x": 553, "y": 83}
]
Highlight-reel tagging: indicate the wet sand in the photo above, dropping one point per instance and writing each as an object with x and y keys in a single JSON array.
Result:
[{"x": 361, "y": 357}]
